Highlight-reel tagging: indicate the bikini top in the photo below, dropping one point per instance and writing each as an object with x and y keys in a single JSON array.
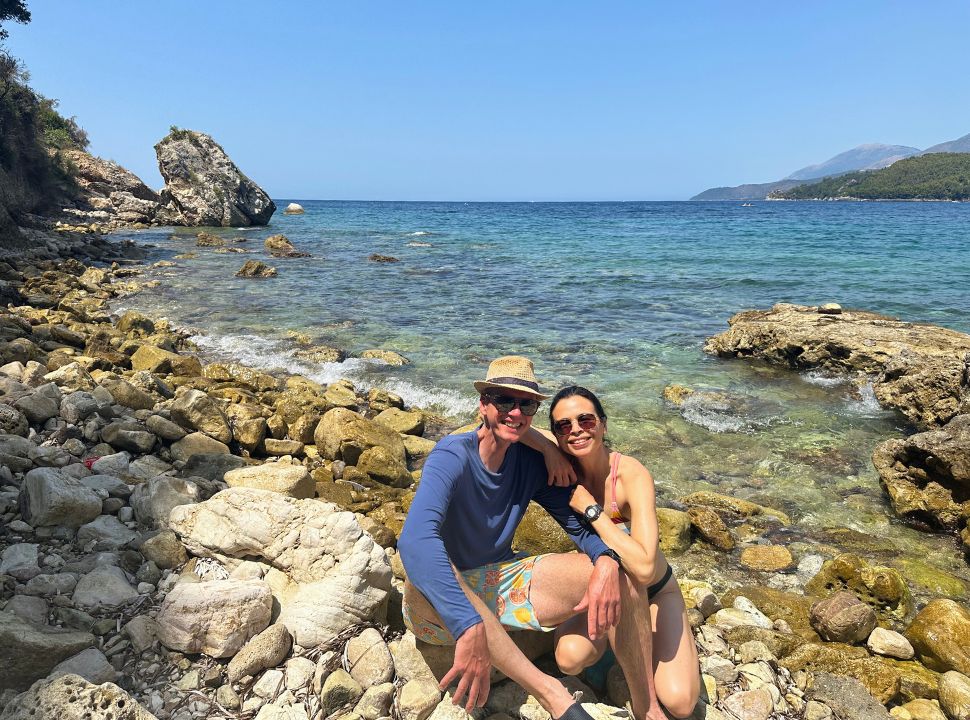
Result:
[{"x": 615, "y": 515}]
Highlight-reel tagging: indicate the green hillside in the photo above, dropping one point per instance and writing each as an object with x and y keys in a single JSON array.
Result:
[{"x": 936, "y": 176}]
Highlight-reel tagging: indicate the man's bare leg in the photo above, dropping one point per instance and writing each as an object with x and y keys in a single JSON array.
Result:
[{"x": 506, "y": 655}]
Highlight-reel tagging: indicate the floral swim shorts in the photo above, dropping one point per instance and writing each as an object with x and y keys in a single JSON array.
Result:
[{"x": 504, "y": 587}]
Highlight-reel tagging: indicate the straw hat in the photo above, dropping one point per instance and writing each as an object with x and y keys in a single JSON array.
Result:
[{"x": 512, "y": 372}]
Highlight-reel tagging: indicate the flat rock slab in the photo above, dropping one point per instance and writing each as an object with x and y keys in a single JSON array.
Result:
[
  {"x": 917, "y": 369},
  {"x": 28, "y": 652}
]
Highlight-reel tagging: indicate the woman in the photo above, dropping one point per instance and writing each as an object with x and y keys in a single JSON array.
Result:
[{"x": 624, "y": 489}]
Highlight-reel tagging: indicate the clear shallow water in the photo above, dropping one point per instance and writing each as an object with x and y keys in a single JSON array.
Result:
[{"x": 616, "y": 296}]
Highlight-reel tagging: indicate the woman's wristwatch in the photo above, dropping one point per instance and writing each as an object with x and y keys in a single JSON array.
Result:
[
  {"x": 592, "y": 513},
  {"x": 610, "y": 552}
]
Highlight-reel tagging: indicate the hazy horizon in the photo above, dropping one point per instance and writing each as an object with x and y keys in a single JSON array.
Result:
[{"x": 548, "y": 102}]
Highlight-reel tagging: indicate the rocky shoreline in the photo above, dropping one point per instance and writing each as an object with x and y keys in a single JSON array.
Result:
[{"x": 184, "y": 539}]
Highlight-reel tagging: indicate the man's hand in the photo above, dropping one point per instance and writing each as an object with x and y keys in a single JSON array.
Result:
[
  {"x": 602, "y": 599},
  {"x": 473, "y": 663},
  {"x": 559, "y": 468}
]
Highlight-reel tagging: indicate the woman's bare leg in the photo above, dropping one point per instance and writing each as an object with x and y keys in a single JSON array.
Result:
[{"x": 676, "y": 669}]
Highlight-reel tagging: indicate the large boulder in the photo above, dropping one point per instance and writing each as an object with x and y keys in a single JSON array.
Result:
[
  {"x": 49, "y": 497},
  {"x": 203, "y": 187},
  {"x": 195, "y": 410},
  {"x": 332, "y": 574},
  {"x": 940, "y": 634},
  {"x": 28, "y": 652},
  {"x": 71, "y": 697},
  {"x": 344, "y": 435},
  {"x": 291, "y": 480},
  {"x": 215, "y": 617},
  {"x": 927, "y": 475}
]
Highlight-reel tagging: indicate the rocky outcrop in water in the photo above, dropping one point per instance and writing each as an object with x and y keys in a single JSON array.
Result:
[
  {"x": 204, "y": 187},
  {"x": 919, "y": 370}
]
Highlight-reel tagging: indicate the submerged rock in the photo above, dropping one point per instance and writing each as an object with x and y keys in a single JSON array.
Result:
[
  {"x": 204, "y": 187},
  {"x": 256, "y": 269}
]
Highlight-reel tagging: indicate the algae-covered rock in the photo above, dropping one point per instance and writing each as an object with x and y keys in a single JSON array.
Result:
[
  {"x": 744, "y": 508},
  {"x": 940, "y": 634},
  {"x": 710, "y": 527},
  {"x": 539, "y": 533},
  {"x": 793, "y": 608},
  {"x": 882, "y": 588},
  {"x": 881, "y": 680},
  {"x": 915, "y": 680},
  {"x": 674, "y": 530},
  {"x": 342, "y": 434},
  {"x": 385, "y": 467}
]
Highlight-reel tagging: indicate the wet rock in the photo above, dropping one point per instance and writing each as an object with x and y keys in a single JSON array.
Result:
[
  {"x": 195, "y": 410},
  {"x": 280, "y": 246},
  {"x": 878, "y": 676},
  {"x": 267, "y": 649},
  {"x": 104, "y": 588},
  {"x": 49, "y": 497},
  {"x": 215, "y": 617},
  {"x": 160, "y": 361},
  {"x": 710, "y": 527},
  {"x": 256, "y": 269},
  {"x": 793, "y": 608},
  {"x": 153, "y": 501},
  {"x": 203, "y": 187},
  {"x": 388, "y": 357},
  {"x": 955, "y": 695},
  {"x": 340, "y": 689},
  {"x": 927, "y": 475},
  {"x": 674, "y": 530},
  {"x": 940, "y": 635},
  {"x": 843, "y": 618},
  {"x": 742, "y": 508},
  {"x": 28, "y": 652},
  {"x": 369, "y": 658},
  {"x": 291, "y": 480},
  {"x": 343, "y": 435},
  {"x": 846, "y": 697},
  {"x": 321, "y": 354},
  {"x": 90, "y": 664},
  {"x": 890, "y": 644},
  {"x": 766, "y": 558},
  {"x": 881, "y": 588}
]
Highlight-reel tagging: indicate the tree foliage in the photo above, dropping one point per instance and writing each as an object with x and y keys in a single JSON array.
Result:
[
  {"x": 15, "y": 10},
  {"x": 936, "y": 176}
]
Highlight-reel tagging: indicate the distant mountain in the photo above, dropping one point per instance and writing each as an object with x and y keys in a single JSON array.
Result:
[
  {"x": 929, "y": 176},
  {"x": 865, "y": 157},
  {"x": 960, "y": 145},
  {"x": 872, "y": 156}
]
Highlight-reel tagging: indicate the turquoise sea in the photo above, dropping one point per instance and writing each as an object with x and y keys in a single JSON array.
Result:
[{"x": 616, "y": 296}]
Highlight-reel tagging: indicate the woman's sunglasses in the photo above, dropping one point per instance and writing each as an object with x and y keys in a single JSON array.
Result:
[
  {"x": 505, "y": 403},
  {"x": 586, "y": 421}
]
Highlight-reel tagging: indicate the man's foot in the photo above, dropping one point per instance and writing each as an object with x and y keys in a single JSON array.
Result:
[{"x": 575, "y": 712}]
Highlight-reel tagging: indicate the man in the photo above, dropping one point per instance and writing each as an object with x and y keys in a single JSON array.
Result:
[{"x": 465, "y": 583}]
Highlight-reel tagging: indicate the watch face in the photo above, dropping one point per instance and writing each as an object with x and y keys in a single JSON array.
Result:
[{"x": 593, "y": 512}]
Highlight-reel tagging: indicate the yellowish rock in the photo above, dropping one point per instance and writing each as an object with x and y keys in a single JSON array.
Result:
[{"x": 767, "y": 558}]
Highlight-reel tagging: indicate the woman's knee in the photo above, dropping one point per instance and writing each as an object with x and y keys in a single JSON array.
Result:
[
  {"x": 573, "y": 655},
  {"x": 681, "y": 699}
]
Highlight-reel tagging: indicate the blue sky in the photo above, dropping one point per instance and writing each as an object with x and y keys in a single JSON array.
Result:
[{"x": 503, "y": 101}]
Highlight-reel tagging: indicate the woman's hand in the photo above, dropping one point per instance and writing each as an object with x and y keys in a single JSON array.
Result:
[
  {"x": 581, "y": 499},
  {"x": 560, "y": 470}
]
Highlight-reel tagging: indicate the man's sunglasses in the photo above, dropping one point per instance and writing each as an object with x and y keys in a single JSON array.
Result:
[
  {"x": 505, "y": 403},
  {"x": 586, "y": 421}
]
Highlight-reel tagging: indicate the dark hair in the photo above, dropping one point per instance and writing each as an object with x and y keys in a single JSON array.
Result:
[{"x": 570, "y": 391}]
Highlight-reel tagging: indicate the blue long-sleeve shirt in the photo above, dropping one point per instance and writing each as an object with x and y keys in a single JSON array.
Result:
[{"x": 465, "y": 514}]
